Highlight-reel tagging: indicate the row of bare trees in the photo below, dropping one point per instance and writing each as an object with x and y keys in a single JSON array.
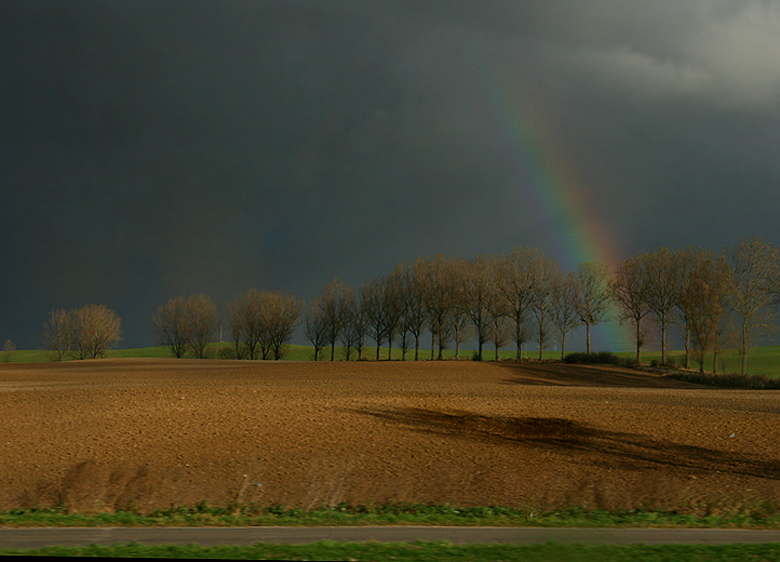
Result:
[
  {"x": 717, "y": 298},
  {"x": 491, "y": 299},
  {"x": 714, "y": 299},
  {"x": 525, "y": 296},
  {"x": 83, "y": 333},
  {"x": 261, "y": 323}
]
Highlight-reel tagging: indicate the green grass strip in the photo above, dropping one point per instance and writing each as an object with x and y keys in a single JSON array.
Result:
[
  {"x": 766, "y": 516},
  {"x": 423, "y": 551}
]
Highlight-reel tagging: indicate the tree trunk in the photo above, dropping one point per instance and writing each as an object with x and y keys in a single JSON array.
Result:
[
  {"x": 563, "y": 346},
  {"x": 333, "y": 352},
  {"x": 744, "y": 349},
  {"x": 663, "y": 341},
  {"x": 587, "y": 332},
  {"x": 638, "y": 343},
  {"x": 687, "y": 347}
]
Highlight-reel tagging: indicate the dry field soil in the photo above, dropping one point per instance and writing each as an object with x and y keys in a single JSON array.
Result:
[{"x": 111, "y": 434}]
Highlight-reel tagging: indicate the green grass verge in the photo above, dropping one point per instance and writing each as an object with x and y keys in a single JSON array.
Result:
[
  {"x": 766, "y": 516},
  {"x": 761, "y": 360},
  {"x": 423, "y": 551}
]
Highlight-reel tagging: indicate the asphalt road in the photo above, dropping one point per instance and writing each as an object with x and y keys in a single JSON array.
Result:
[{"x": 82, "y": 536}]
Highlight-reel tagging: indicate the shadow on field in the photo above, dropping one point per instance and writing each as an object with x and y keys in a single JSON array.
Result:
[
  {"x": 611, "y": 449},
  {"x": 542, "y": 373}
]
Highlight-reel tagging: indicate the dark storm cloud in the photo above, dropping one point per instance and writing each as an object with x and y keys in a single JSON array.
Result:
[{"x": 150, "y": 149}]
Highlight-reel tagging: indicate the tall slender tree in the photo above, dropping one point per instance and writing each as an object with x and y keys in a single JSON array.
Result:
[
  {"x": 518, "y": 284},
  {"x": 592, "y": 298},
  {"x": 441, "y": 280},
  {"x": 479, "y": 296},
  {"x": 684, "y": 261},
  {"x": 413, "y": 294},
  {"x": 754, "y": 265},
  {"x": 354, "y": 324},
  {"x": 705, "y": 297},
  {"x": 334, "y": 306},
  {"x": 629, "y": 288},
  {"x": 546, "y": 274},
  {"x": 317, "y": 326},
  {"x": 564, "y": 313},
  {"x": 662, "y": 288},
  {"x": 56, "y": 334},
  {"x": 373, "y": 295}
]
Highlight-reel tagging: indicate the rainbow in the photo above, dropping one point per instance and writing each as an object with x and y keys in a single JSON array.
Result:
[{"x": 560, "y": 198}]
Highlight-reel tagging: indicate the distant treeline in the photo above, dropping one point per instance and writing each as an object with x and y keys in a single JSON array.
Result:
[{"x": 717, "y": 299}]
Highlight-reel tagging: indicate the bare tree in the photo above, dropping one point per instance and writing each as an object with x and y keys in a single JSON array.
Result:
[
  {"x": 440, "y": 289},
  {"x": 170, "y": 325},
  {"x": 282, "y": 312},
  {"x": 247, "y": 324},
  {"x": 393, "y": 303},
  {"x": 93, "y": 330},
  {"x": 57, "y": 334},
  {"x": 462, "y": 330},
  {"x": 360, "y": 325},
  {"x": 413, "y": 294},
  {"x": 333, "y": 298},
  {"x": 755, "y": 267},
  {"x": 546, "y": 274},
  {"x": 8, "y": 351},
  {"x": 592, "y": 295},
  {"x": 186, "y": 324},
  {"x": 317, "y": 328},
  {"x": 517, "y": 284},
  {"x": 564, "y": 313},
  {"x": 479, "y": 295},
  {"x": 684, "y": 261},
  {"x": 201, "y": 322},
  {"x": 629, "y": 289},
  {"x": 662, "y": 288},
  {"x": 354, "y": 324},
  {"x": 405, "y": 335},
  {"x": 499, "y": 330},
  {"x": 373, "y": 295},
  {"x": 704, "y": 297}
]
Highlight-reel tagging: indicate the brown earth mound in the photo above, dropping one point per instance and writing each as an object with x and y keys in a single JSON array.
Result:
[{"x": 111, "y": 434}]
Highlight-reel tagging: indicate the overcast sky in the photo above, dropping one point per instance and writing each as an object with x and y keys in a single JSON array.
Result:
[{"x": 150, "y": 149}]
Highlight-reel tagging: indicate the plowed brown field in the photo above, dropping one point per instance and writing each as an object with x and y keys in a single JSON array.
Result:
[{"x": 110, "y": 434}]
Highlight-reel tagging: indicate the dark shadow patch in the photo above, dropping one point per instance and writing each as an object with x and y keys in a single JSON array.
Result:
[
  {"x": 541, "y": 373},
  {"x": 627, "y": 451}
]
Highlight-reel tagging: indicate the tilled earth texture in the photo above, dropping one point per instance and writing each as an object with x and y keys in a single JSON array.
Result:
[{"x": 147, "y": 433}]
